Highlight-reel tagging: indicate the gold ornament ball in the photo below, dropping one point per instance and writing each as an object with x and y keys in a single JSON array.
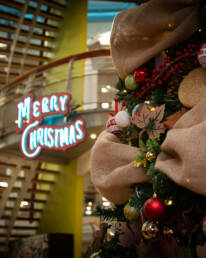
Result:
[
  {"x": 152, "y": 109},
  {"x": 150, "y": 156},
  {"x": 130, "y": 213},
  {"x": 150, "y": 230},
  {"x": 192, "y": 89},
  {"x": 168, "y": 202}
]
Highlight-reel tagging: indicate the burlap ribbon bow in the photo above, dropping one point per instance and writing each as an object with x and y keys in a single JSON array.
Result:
[
  {"x": 183, "y": 158},
  {"x": 141, "y": 33}
]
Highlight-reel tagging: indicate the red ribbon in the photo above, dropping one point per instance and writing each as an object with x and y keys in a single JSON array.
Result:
[
  {"x": 116, "y": 106},
  {"x": 116, "y": 109}
]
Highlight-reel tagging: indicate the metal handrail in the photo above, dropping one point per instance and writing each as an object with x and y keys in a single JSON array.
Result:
[{"x": 54, "y": 64}]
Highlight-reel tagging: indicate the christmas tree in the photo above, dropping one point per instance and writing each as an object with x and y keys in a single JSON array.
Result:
[{"x": 162, "y": 214}]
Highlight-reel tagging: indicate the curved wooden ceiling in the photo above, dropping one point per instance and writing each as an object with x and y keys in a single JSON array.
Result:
[{"x": 28, "y": 30}]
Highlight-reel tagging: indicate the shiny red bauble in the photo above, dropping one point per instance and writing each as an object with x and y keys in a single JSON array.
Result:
[
  {"x": 204, "y": 225},
  {"x": 202, "y": 55},
  {"x": 140, "y": 75},
  {"x": 154, "y": 209}
]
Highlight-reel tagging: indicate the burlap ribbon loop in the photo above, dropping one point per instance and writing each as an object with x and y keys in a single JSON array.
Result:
[
  {"x": 184, "y": 151},
  {"x": 112, "y": 170},
  {"x": 141, "y": 33}
]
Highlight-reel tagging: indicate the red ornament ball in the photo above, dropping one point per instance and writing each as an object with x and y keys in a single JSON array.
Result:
[
  {"x": 202, "y": 55},
  {"x": 154, "y": 208},
  {"x": 140, "y": 75},
  {"x": 112, "y": 126},
  {"x": 204, "y": 225}
]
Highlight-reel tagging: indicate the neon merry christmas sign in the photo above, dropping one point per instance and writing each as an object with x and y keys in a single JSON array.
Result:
[{"x": 35, "y": 136}]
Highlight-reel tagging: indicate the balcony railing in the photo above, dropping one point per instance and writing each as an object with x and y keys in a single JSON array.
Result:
[{"x": 90, "y": 74}]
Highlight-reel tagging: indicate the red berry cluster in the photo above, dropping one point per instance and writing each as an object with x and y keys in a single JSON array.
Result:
[{"x": 170, "y": 67}]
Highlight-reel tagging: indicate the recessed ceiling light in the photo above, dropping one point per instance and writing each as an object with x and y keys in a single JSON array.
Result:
[
  {"x": 90, "y": 203},
  {"x": 3, "y": 184},
  {"x": 93, "y": 136},
  {"x": 3, "y": 45},
  {"x": 104, "y": 90},
  {"x": 24, "y": 203},
  {"x": 106, "y": 204},
  {"x": 105, "y": 105},
  {"x": 88, "y": 212}
]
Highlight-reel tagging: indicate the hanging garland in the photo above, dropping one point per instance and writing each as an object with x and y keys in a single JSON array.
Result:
[{"x": 149, "y": 107}]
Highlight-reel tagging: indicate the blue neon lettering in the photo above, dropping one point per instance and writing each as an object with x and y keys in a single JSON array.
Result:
[
  {"x": 54, "y": 103},
  {"x": 64, "y": 136},
  {"x": 56, "y": 138},
  {"x": 46, "y": 136},
  {"x": 24, "y": 140},
  {"x": 45, "y": 107},
  {"x": 32, "y": 140},
  {"x": 50, "y": 138},
  {"x": 36, "y": 112},
  {"x": 78, "y": 125},
  {"x": 63, "y": 100},
  {"x": 72, "y": 138},
  {"x": 40, "y": 136},
  {"x": 24, "y": 110}
]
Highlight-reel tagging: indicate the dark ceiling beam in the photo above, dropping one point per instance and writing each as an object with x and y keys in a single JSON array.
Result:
[
  {"x": 21, "y": 44},
  {"x": 127, "y": 1},
  {"x": 54, "y": 5},
  {"x": 16, "y": 65},
  {"x": 19, "y": 55},
  {"x": 11, "y": 17},
  {"x": 25, "y": 33},
  {"x": 31, "y": 10}
]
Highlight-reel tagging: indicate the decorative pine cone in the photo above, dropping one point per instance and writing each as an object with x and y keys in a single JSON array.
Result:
[{"x": 172, "y": 89}]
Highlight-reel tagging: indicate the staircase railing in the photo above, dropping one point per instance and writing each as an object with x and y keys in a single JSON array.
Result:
[{"x": 95, "y": 67}]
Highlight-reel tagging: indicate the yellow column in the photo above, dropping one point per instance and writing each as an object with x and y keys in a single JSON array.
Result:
[
  {"x": 63, "y": 212},
  {"x": 72, "y": 40}
]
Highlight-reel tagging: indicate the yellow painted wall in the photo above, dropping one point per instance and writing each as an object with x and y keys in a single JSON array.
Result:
[
  {"x": 63, "y": 212},
  {"x": 72, "y": 40}
]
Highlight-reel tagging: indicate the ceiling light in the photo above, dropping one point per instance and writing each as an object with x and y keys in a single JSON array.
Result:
[
  {"x": 90, "y": 203},
  {"x": 3, "y": 45},
  {"x": 105, "y": 105},
  {"x": 3, "y": 184},
  {"x": 24, "y": 203},
  {"x": 93, "y": 136},
  {"x": 2, "y": 56},
  {"x": 106, "y": 204},
  {"x": 104, "y": 90},
  {"x": 88, "y": 212},
  {"x": 88, "y": 208},
  {"x": 108, "y": 87}
]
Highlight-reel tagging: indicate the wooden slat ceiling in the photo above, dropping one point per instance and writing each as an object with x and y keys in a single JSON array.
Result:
[
  {"x": 21, "y": 49},
  {"x": 18, "y": 56},
  {"x": 126, "y": 1},
  {"x": 35, "y": 195}
]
